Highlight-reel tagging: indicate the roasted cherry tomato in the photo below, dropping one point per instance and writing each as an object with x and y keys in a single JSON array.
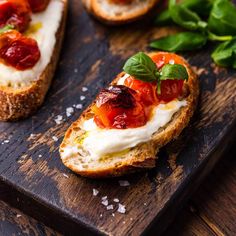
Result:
[
  {"x": 121, "y": 1},
  {"x": 119, "y": 107},
  {"x": 18, "y": 51},
  {"x": 38, "y": 5},
  {"x": 146, "y": 90},
  {"x": 16, "y": 13},
  {"x": 170, "y": 89}
]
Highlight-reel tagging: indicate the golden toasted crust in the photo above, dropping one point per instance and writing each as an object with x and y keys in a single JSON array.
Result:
[
  {"x": 94, "y": 8},
  {"x": 20, "y": 103},
  {"x": 143, "y": 156}
]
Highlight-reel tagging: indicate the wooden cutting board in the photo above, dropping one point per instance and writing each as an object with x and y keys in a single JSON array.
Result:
[{"x": 33, "y": 178}]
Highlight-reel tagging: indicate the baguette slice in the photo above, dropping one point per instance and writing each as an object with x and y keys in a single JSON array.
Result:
[
  {"x": 117, "y": 14},
  {"x": 18, "y": 103},
  {"x": 142, "y": 156}
]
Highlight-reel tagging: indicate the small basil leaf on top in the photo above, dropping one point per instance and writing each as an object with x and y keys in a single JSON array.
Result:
[
  {"x": 175, "y": 71},
  {"x": 180, "y": 42},
  {"x": 225, "y": 54},
  {"x": 6, "y": 28},
  {"x": 222, "y": 19},
  {"x": 141, "y": 67}
]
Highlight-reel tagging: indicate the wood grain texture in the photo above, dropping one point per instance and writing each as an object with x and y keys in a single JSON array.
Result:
[{"x": 92, "y": 55}]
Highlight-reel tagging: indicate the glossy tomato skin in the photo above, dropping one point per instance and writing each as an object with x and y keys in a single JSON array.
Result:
[
  {"x": 18, "y": 51},
  {"x": 146, "y": 90},
  {"x": 16, "y": 13},
  {"x": 38, "y": 5},
  {"x": 118, "y": 107},
  {"x": 170, "y": 89}
]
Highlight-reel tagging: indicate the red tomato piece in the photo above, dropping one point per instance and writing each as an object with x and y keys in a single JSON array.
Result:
[
  {"x": 18, "y": 51},
  {"x": 146, "y": 90},
  {"x": 117, "y": 107},
  {"x": 38, "y": 5},
  {"x": 16, "y": 13}
]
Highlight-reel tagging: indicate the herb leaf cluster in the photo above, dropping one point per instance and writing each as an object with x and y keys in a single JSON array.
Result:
[{"x": 205, "y": 20}]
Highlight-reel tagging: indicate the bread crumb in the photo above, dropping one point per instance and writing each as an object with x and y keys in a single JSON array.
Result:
[
  {"x": 116, "y": 200},
  {"x": 121, "y": 209},
  {"x": 95, "y": 192},
  {"x": 82, "y": 98},
  {"x": 84, "y": 89},
  {"x": 55, "y": 138},
  {"x": 69, "y": 111},
  {"x": 124, "y": 183}
]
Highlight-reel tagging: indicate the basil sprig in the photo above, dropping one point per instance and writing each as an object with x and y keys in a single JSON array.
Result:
[
  {"x": 143, "y": 68},
  {"x": 6, "y": 28},
  {"x": 217, "y": 25}
]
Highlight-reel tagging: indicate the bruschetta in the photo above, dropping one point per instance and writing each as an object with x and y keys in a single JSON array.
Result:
[
  {"x": 31, "y": 34},
  {"x": 116, "y": 12},
  {"x": 145, "y": 107}
]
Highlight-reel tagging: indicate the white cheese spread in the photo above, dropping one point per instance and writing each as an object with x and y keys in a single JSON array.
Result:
[{"x": 46, "y": 37}]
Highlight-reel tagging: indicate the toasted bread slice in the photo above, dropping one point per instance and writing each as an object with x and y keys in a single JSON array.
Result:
[
  {"x": 17, "y": 103},
  {"x": 142, "y": 156},
  {"x": 117, "y": 14}
]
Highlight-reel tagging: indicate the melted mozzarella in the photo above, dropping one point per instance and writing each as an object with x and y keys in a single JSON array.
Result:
[
  {"x": 46, "y": 37},
  {"x": 104, "y": 141}
]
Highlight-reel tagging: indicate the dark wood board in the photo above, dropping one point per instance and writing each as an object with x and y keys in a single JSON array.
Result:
[{"x": 92, "y": 55}]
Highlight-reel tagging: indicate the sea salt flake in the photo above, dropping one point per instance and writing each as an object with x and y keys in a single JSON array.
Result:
[
  {"x": 110, "y": 207},
  {"x": 82, "y": 98},
  {"x": 55, "y": 138},
  {"x": 116, "y": 200},
  {"x": 124, "y": 183},
  {"x": 121, "y": 209},
  {"x": 105, "y": 202},
  {"x": 65, "y": 175},
  {"x": 58, "y": 119},
  {"x": 95, "y": 192},
  {"x": 84, "y": 89},
  {"x": 69, "y": 111}
]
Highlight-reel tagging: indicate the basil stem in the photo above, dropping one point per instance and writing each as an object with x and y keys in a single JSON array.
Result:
[
  {"x": 6, "y": 28},
  {"x": 225, "y": 54},
  {"x": 222, "y": 20},
  {"x": 214, "y": 37},
  {"x": 184, "y": 41}
]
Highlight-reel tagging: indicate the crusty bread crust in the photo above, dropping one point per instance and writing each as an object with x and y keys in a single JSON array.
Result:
[
  {"x": 20, "y": 103},
  {"x": 143, "y": 156},
  {"x": 94, "y": 7}
]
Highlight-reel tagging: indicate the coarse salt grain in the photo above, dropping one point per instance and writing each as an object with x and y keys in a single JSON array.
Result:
[
  {"x": 58, "y": 119},
  {"x": 82, "y": 98},
  {"x": 124, "y": 183},
  {"x": 55, "y": 138},
  {"x": 79, "y": 106},
  {"x": 76, "y": 70},
  {"x": 95, "y": 192},
  {"x": 84, "y": 89},
  {"x": 172, "y": 62},
  {"x": 18, "y": 215},
  {"x": 104, "y": 198},
  {"x": 105, "y": 202},
  {"x": 116, "y": 200},
  {"x": 121, "y": 209},
  {"x": 69, "y": 111},
  {"x": 110, "y": 207},
  {"x": 40, "y": 155},
  {"x": 113, "y": 214},
  {"x": 65, "y": 175}
]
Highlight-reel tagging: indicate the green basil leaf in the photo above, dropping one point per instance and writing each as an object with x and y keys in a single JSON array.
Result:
[
  {"x": 225, "y": 54},
  {"x": 175, "y": 71},
  {"x": 6, "y": 28},
  {"x": 180, "y": 42},
  {"x": 222, "y": 20},
  {"x": 214, "y": 37},
  {"x": 201, "y": 7},
  {"x": 186, "y": 18},
  {"x": 141, "y": 67}
]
